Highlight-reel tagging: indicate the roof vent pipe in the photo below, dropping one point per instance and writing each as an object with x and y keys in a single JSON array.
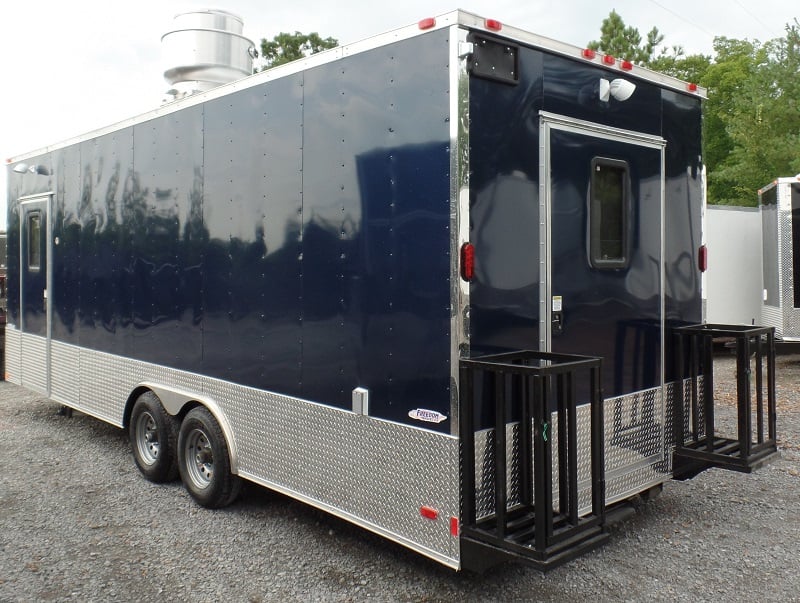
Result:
[{"x": 205, "y": 49}]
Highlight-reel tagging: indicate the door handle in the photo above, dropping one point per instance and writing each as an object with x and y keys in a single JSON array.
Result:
[
  {"x": 557, "y": 323},
  {"x": 556, "y": 315}
]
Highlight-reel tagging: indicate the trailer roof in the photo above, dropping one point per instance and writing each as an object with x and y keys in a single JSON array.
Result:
[
  {"x": 784, "y": 180},
  {"x": 454, "y": 18}
]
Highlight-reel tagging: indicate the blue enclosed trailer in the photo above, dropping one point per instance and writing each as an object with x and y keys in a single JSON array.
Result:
[{"x": 429, "y": 282}]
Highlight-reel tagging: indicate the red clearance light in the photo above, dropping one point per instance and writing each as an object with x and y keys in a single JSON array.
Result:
[
  {"x": 454, "y": 526},
  {"x": 588, "y": 53},
  {"x": 626, "y": 65},
  {"x": 608, "y": 59},
  {"x": 467, "y": 261},
  {"x": 692, "y": 87},
  {"x": 429, "y": 512},
  {"x": 702, "y": 258},
  {"x": 493, "y": 24},
  {"x": 427, "y": 23}
]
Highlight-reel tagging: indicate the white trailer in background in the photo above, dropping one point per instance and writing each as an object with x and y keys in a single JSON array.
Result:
[
  {"x": 779, "y": 203},
  {"x": 733, "y": 279}
]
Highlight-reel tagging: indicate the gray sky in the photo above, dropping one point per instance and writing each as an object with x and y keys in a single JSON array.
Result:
[{"x": 72, "y": 67}]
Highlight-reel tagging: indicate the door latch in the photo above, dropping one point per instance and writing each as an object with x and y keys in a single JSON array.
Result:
[{"x": 556, "y": 316}]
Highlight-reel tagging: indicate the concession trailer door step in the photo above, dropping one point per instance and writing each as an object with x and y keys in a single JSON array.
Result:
[
  {"x": 540, "y": 512},
  {"x": 700, "y": 441}
]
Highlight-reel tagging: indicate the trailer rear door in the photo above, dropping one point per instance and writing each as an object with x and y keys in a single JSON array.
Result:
[{"x": 602, "y": 286}]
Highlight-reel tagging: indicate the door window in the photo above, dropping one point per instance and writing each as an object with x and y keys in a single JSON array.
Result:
[
  {"x": 34, "y": 241},
  {"x": 609, "y": 205}
]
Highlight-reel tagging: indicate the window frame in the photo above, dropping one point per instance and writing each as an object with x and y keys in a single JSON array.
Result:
[
  {"x": 37, "y": 216},
  {"x": 594, "y": 243}
]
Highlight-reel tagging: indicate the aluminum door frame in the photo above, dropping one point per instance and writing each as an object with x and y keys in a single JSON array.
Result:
[
  {"x": 551, "y": 121},
  {"x": 46, "y": 201}
]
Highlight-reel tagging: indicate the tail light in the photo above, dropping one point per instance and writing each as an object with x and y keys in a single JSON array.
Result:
[
  {"x": 467, "y": 261},
  {"x": 702, "y": 258}
]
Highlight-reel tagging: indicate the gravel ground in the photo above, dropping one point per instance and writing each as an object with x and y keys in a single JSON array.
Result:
[{"x": 78, "y": 522}]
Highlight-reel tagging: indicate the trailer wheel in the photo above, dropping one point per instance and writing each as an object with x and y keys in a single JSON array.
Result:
[
  {"x": 203, "y": 461},
  {"x": 154, "y": 436}
]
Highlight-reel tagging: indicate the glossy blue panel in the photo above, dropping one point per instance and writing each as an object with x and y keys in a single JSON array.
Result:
[
  {"x": 504, "y": 209},
  {"x": 684, "y": 194},
  {"x": 376, "y": 216},
  {"x": 292, "y": 236},
  {"x": 250, "y": 236},
  {"x": 93, "y": 240},
  {"x": 572, "y": 88},
  {"x": 161, "y": 200},
  {"x": 65, "y": 297},
  {"x": 504, "y": 167},
  {"x": 613, "y": 313}
]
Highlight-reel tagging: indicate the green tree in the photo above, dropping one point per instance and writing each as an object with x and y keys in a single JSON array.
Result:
[
  {"x": 725, "y": 80},
  {"x": 751, "y": 120},
  {"x": 689, "y": 68},
  {"x": 753, "y": 116},
  {"x": 287, "y": 47},
  {"x": 622, "y": 41},
  {"x": 625, "y": 42}
]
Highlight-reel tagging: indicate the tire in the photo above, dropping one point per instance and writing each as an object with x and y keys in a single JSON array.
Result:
[
  {"x": 154, "y": 439},
  {"x": 204, "y": 462}
]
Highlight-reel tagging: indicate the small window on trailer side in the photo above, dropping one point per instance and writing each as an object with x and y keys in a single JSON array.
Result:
[
  {"x": 34, "y": 241},
  {"x": 609, "y": 211}
]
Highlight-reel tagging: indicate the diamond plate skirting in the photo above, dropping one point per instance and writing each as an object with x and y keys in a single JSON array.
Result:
[
  {"x": 33, "y": 362},
  {"x": 374, "y": 473},
  {"x": 13, "y": 368}
]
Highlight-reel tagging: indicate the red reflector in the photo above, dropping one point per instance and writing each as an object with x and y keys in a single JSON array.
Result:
[
  {"x": 692, "y": 87},
  {"x": 608, "y": 59},
  {"x": 467, "y": 261},
  {"x": 427, "y": 23},
  {"x": 493, "y": 24},
  {"x": 626, "y": 65},
  {"x": 588, "y": 53},
  {"x": 702, "y": 258},
  {"x": 429, "y": 512},
  {"x": 454, "y": 526}
]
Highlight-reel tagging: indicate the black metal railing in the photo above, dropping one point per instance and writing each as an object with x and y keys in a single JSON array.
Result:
[
  {"x": 542, "y": 523},
  {"x": 698, "y": 441}
]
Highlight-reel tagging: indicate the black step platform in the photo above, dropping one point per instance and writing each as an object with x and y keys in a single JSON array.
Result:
[
  {"x": 698, "y": 446},
  {"x": 544, "y": 527}
]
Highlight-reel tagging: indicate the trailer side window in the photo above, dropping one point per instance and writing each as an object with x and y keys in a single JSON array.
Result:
[
  {"x": 34, "y": 241},
  {"x": 609, "y": 205}
]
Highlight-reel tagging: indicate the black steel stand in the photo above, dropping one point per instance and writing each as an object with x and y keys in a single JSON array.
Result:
[
  {"x": 542, "y": 529},
  {"x": 697, "y": 445}
]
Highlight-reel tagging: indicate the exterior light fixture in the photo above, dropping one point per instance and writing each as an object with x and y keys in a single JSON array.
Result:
[{"x": 619, "y": 89}]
